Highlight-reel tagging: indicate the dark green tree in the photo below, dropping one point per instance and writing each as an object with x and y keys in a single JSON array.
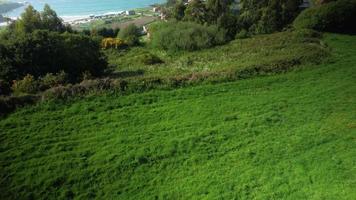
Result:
[
  {"x": 130, "y": 34},
  {"x": 43, "y": 51},
  {"x": 195, "y": 12},
  {"x": 266, "y": 16},
  {"x": 50, "y": 20},
  {"x": 30, "y": 20},
  {"x": 178, "y": 10},
  {"x": 217, "y": 8}
]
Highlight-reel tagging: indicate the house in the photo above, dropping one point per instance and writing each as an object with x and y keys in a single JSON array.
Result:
[
  {"x": 129, "y": 12},
  {"x": 156, "y": 9},
  {"x": 163, "y": 16}
]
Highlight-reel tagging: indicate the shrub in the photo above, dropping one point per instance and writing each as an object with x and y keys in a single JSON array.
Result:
[
  {"x": 242, "y": 34},
  {"x": 53, "y": 80},
  {"x": 150, "y": 59},
  {"x": 337, "y": 16},
  {"x": 42, "y": 52},
  {"x": 28, "y": 85},
  {"x": 186, "y": 36},
  {"x": 130, "y": 35},
  {"x": 5, "y": 88},
  {"x": 112, "y": 43},
  {"x": 10, "y": 103}
]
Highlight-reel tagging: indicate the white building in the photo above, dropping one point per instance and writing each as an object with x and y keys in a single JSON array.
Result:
[{"x": 129, "y": 12}]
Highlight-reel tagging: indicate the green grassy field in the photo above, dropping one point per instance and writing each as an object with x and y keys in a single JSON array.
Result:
[
  {"x": 284, "y": 47},
  {"x": 287, "y": 136}
]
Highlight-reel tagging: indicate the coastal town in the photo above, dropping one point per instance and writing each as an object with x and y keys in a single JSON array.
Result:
[
  {"x": 139, "y": 17},
  {"x": 144, "y": 14}
]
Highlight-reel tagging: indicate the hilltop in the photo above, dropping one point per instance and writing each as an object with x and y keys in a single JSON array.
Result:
[{"x": 6, "y": 6}]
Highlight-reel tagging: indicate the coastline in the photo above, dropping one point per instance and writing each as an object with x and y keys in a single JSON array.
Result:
[{"x": 86, "y": 19}]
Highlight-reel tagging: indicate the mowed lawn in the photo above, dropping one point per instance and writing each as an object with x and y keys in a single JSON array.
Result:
[{"x": 288, "y": 136}]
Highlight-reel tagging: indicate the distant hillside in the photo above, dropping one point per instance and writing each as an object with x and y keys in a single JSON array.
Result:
[{"x": 6, "y": 6}]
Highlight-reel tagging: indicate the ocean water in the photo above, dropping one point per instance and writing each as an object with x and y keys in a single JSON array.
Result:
[{"x": 77, "y": 8}]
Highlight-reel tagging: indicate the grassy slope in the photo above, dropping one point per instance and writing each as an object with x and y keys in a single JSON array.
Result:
[
  {"x": 289, "y": 136},
  {"x": 238, "y": 54}
]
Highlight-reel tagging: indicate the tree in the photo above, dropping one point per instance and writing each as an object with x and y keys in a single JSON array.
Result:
[
  {"x": 33, "y": 20},
  {"x": 195, "y": 12},
  {"x": 178, "y": 10},
  {"x": 266, "y": 16},
  {"x": 50, "y": 20},
  {"x": 43, "y": 51},
  {"x": 217, "y": 8},
  {"x": 30, "y": 21},
  {"x": 130, "y": 35}
]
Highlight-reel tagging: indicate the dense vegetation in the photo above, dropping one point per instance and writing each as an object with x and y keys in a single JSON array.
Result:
[
  {"x": 188, "y": 36},
  {"x": 338, "y": 17},
  {"x": 287, "y": 136},
  {"x": 265, "y": 16},
  {"x": 39, "y": 44},
  {"x": 285, "y": 49}
]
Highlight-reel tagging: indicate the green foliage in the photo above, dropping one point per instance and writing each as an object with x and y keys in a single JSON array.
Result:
[
  {"x": 104, "y": 32},
  {"x": 288, "y": 136},
  {"x": 53, "y": 80},
  {"x": 42, "y": 52},
  {"x": 195, "y": 12},
  {"x": 178, "y": 10},
  {"x": 261, "y": 50},
  {"x": 267, "y": 16},
  {"x": 130, "y": 35},
  {"x": 242, "y": 34},
  {"x": 338, "y": 16},
  {"x": 32, "y": 20},
  {"x": 218, "y": 8},
  {"x": 112, "y": 43},
  {"x": 187, "y": 36},
  {"x": 50, "y": 20},
  {"x": 28, "y": 85}
]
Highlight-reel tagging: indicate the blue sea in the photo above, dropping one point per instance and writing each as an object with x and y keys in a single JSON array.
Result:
[{"x": 75, "y": 8}]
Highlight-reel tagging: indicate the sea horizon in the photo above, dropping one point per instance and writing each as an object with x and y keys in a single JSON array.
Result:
[{"x": 70, "y": 10}]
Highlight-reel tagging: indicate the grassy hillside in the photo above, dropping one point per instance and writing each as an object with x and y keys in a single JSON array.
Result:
[
  {"x": 288, "y": 136},
  {"x": 290, "y": 48}
]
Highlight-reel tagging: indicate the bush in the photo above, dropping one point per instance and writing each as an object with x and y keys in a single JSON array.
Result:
[
  {"x": 53, "y": 80},
  {"x": 242, "y": 34},
  {"x": 5, "y": 88},
  {"x": 130, "y": 34},
  {"x": 112, "y": 43},
  {"x": 150, "y": 59},
  {"x": 42, "y": 52},
  {"x": 335, "y": 16},
  {"x": 28, "y": 85},
  {"x": 10, "y": 103},
  {"x": 188, "y": 36}
]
